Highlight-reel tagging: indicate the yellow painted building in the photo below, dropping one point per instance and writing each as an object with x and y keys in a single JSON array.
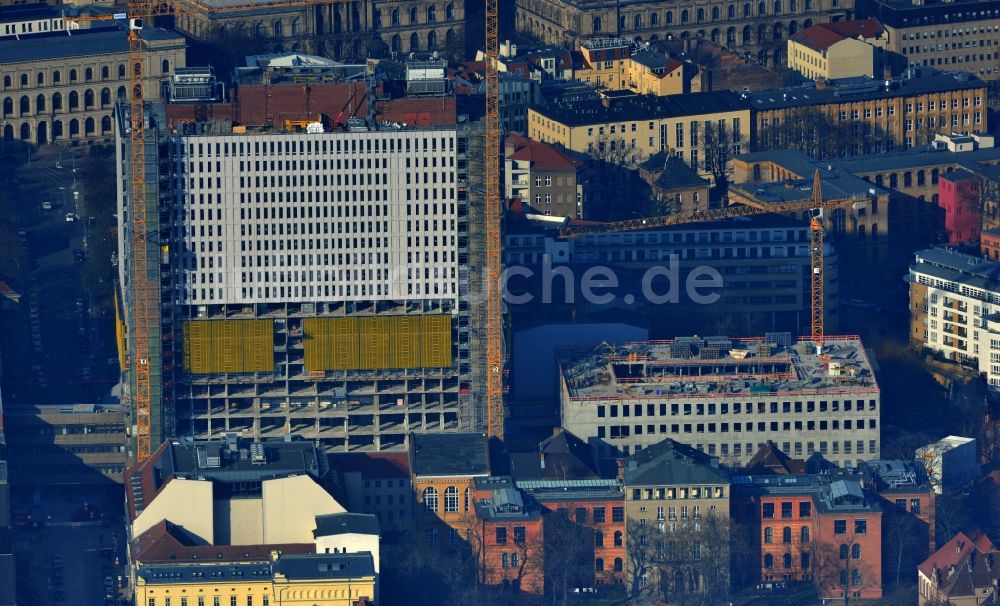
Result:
[
  {"x": 628, "y": 128},
  {"x": 284, "y": 580},
  {"x": 603, "y": 63},
  {"x": 831, "y": 51},
  {"x": 443, "y": 468},
  {"x": 653, "y": 73}
]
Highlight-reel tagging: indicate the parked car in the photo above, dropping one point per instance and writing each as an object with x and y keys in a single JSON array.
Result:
[{"x": 71, "y": 217}]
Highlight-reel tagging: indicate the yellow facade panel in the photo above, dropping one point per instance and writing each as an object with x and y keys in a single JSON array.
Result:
[
  {"x": 374, "y": 342},
  {"x": 228, "y": 346},
  {"x": 436, "y": 342}
]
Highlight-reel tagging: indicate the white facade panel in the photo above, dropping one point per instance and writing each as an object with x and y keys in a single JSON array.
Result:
[{"x": 278, "y": 218}]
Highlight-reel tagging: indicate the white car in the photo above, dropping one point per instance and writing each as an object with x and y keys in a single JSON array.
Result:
[{"x": 71, "y": 217}]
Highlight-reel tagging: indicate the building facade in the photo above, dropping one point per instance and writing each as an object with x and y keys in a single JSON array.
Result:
[
  {"x": 507, "y": 534},
  {"x": 21, "y": 20},
  {"x": 896, "y": 114},
  {"x": 953, "y": 301},
  {"x": 628, "y": 128},
  {"x": 542, "y": 176},
  {"x": 313, "y": 282},
  {"x": 626, "y": 398},
  {"x": 343, "y": 28},
  {"x": 58, "y": 87},
  {"x": 376, "y": 483},
  {"x": 959, "y": 196},
  {"x": 837, "y": 50},
  {"x": 961, "y": 35},
  {"x": 759, "y": 28},
  {"x": 444, "y": 468},
  {"x": 963, "y": 572}
]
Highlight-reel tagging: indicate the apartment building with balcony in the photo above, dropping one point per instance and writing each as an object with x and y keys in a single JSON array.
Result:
[{"x": 954, "y": 302}]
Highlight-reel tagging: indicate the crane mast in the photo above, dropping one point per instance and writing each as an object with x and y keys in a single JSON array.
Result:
[{"x": 494, "y": 312}]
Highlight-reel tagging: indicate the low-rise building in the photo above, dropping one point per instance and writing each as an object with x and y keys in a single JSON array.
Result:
[
  {"x": 506, "y": 532},
  {"x": 671, "y": 487},
  {"x": 20, "y": 20},
  {"x": 950, "y": 463},
  {"x": 443, "y": 468},
  {"x": 57, "y": 444},
  {"x": 602, "y": 62},
  {"x": 59, "y": 87},
  {"x": 626, "y": 128},
  {"x": 958, "y": 195},
  {"x": 543, "y": 176},
  {"x": 964, "y": 572},
  {"x": 354, "y": 533},
  {"x": 831, "y": 51},
  {"x": 653, "y": 73},
  {"x": 676, "y": 187},
  {"x": 724, "y": 396},
  {"x": 376, "y": 483}
]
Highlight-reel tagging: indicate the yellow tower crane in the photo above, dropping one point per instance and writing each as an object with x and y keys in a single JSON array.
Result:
[
  {"x": 144, "y": 300},
  {"x": 747, "y": 206},
  {"x": 493, "y": 210}
]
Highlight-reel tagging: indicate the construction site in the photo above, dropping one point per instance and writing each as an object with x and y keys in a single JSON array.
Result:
[
  {"x": 726, "y": 396},
  {"x": 306, "y": 280}
]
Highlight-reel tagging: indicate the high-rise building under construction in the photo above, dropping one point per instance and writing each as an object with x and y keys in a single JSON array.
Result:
[{"x": 302, "y": 282}]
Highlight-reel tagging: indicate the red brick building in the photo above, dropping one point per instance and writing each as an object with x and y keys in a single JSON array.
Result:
[
  {"x": 506, "y": 532},
  {"x": 989, "y": 244},
  {"x": 964, "y": 572},
  {"x": 958, "y": 195}
]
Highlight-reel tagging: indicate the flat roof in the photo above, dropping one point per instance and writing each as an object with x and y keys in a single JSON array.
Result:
[
  {"x": 851, "y": 90},
  {"x": 837, "y": 181},
  {"x": 346, "y": 523},
  {"x": 915, "y": 158},
  {"x": 951, "y": 265},
  {"x": 583, "y": 112},
  {"x": 27, "y": 12},
  {"x": 79, "y": 43},
  {"x": 449, "y": 454},
  {"x": 717, "y": 367},
  {"x": 294, "y": 567},
  {"x": 904, "y": 13}
]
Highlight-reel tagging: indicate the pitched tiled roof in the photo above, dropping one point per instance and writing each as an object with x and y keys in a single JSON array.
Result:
[
  {"x": 955, "y": 551},
  {"x": 771, "y": 460},
  {"x": 671, "y": 462},
  {"x": 824, "y": 35},
  {"x": 562, "y": 456},
  {"x": 166, "y": 542},
  {"x": 541, "y": 155}
]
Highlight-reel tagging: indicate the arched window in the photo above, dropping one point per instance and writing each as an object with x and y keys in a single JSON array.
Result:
[
  {"x": 57, "y": 128},
  {"x": 432, "y": 39},
  {"x": 843, "y": 551},
  {"x": 768, "y": 535},
  {"x": 121, "y": 92},
  {"x": 805, "y": 534},
  {"x": 856, "y": 578},
  {"x": 670, "y": 17},
  {"x": 716, "y": 13},
  {"x": 24, "y": 79},
  {"x": 258, "y": 29},
  {"x": 746, "y": 9},
  {"x": 777, "y": 7},
  {"x": 449, "y": 12},
  {"x": 747, "y": 33},
  {"x": 466, "y": 498},
  {"x": 74, "y": 128},
  {"x": 618, "y": 538},
  {"x": 599, "y": 564},
  {"x": 731, "y": 11},
  {"x": 596, "y": 24},
  {"x": 855, "y": 552},
  {"x": 598, "y": 539},
  {"x": 88, "y": 126},
  {"x": 56, "y": 77},
  {"x": 88, "y": 74},
  {"x": 787, "y": 560},
  {"x": 397, "y": 44},
  {"x": 40, "y": 103},
  {"x": 105, "y": 72},
  {"x": 56, "y": 102},
  {"x": 685, "y": 16},
  {"x": 72, "y": 75},
  {"x": 413, "y": 15},
  {"x": 25, "y": 132},
  {"x": 88, "y": 98},
  {"x": 786, "y": 535},
  {"x": 394, "y": 17},
  {"x": 793, "y": 6},
  {"x": 768, "y": 561},
  {"x": 106, "y": 124},
  {"x": 25, "y": 105},
  {"x": 637, "y": 21},
  {"x": 432, "y": 14},
  {"x": 449, "y": 38},
  {"x": 165, "y": 67},
  {"x": 105, "y": 96},
  {"x": 414, "y": 42},
  {"x": 515, "y": 560},
  {"x": 7, "y": 82},
  {"x": 451, "y": 499},
  {"x": 40, "y": 78},
  {"x": 701, "y": 15},
  {"x": 654, "y": 19},
  {"x": 431, "y": 499},
  {"x": 121, "y": 70},
  {"x": 618, "y": 565},
  {"x": 761, "y": 8}
]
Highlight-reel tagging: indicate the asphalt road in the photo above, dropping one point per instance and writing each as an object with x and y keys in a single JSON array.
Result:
[{"x": 55, "y": 350}]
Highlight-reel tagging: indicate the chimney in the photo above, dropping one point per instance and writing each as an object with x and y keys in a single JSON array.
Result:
[
  {"x": 509, "y": 146},
  {"x": 621, "y": 469},
  {"x": 541, "y": 459},
  {"x": 605, "y": 101},
  {"x": 887, "y": 72}
]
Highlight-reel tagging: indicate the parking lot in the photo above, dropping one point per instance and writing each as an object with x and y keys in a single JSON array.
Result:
[
  {"x": 58, "y": 345},
  {"x": 70, "y": 546}
]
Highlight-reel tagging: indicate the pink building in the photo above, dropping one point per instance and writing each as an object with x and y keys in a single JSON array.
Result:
[{"x": 958, "y": 195}]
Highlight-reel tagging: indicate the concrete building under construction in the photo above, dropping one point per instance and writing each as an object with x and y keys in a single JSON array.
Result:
[
  {"x": 304, "y": 282},
  {"x": 725, "y": 396}
]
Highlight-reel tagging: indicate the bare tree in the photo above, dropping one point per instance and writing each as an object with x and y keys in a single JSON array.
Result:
[
  {"x": 640, "y": 541},
  {"x": 906, "y": 544},
  {"x": 692, "y": 562},
  {"x": 719, "y": 149},
  {"x": 568, "y": 555},
  {"x": 841, "y": 570}
]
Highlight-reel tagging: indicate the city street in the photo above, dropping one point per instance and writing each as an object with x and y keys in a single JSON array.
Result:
[{"x": 56, "y": 346}]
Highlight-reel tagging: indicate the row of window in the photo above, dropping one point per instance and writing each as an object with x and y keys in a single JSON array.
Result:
[
  {"x": 286, "y": 146},
  {"x": 701, "y": 14},
  {"x": 88, "y": 75},
  {"x": 216, "y": 601},
  {"x": 430, "y": 499},
  {"x": 804, "y": 561},
  {"x": 786, "y": 535},
  {"x": 73, "y": 102},
  {"x": 636, "y": 410},
  {"x": 431, "y": 14},
  {"x": 681, "y": 492}
]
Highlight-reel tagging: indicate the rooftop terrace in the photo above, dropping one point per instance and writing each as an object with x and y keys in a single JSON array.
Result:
[{"x": 695, "y": 367}]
